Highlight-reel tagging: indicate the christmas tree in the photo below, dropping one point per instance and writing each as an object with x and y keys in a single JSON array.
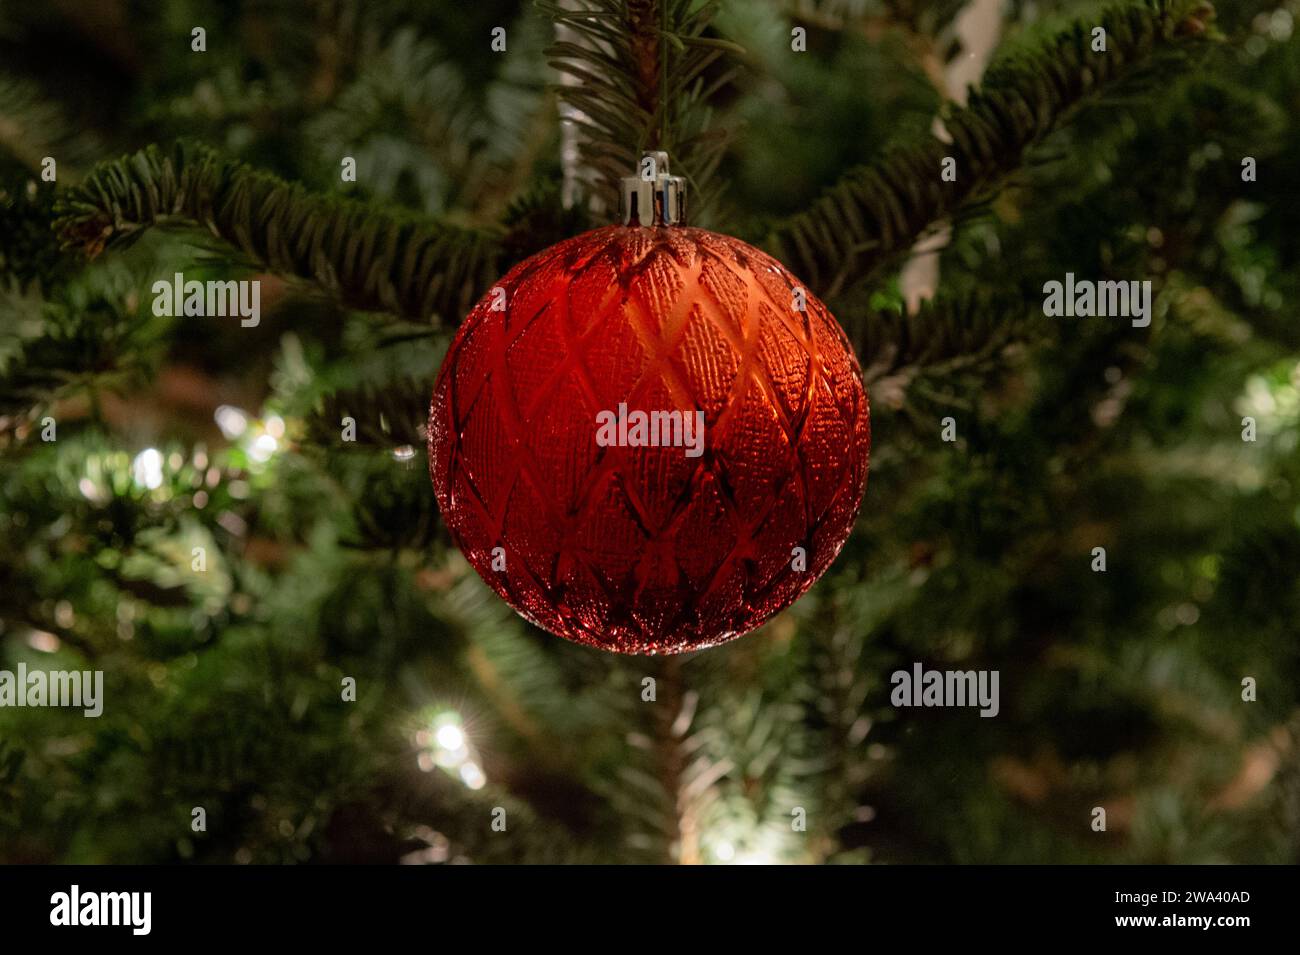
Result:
[{"x": 1061, "y": 238}]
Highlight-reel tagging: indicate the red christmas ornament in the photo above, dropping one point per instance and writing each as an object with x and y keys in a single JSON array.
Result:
[{"x": 565, "y": 450}]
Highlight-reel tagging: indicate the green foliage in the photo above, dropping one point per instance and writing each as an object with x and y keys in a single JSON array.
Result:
[
  {"x": 371, "y": 260},
  {"x": 93, "y": 335},
  {"x": 911, "y": 361},
  {"x": 29, "y": 252},
  {"x": 878, "y": 211},
  {"x": 642, "y": 76}
]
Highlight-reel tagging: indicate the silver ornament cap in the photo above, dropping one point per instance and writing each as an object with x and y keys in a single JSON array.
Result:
[{"x": 653, "y": 196}]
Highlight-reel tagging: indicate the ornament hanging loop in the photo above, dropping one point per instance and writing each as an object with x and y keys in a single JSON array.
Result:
[{"x": 652, "y": 197}]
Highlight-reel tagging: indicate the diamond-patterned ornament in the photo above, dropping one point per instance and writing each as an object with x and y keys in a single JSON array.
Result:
[{"x": 649, "y": 549}]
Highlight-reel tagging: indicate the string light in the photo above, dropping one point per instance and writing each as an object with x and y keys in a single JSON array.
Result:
[
  {"x": 43, "y": 641},
  {"x": 260, "y": 439},
  {"x": 451, "y": 737},
  {"x": 90, "y": 490},
  {"x": 472, "y": 775},
  {"x": 745, "y": 844},
  {"x": 445, "y": 744},
  {"x": 231, "y": 421},
  {"x": 146, "y": 469},
  {"x": 262, "y": 447}
]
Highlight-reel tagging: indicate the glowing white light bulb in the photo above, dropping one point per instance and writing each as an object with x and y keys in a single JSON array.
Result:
[
  {"x": 231, "y": 421},
  {"x": 450, "y": 737},
  {"x": 262, "y": 448},
  {"x": 43, "y": 641},
  {"x": 146, "y": 469}
]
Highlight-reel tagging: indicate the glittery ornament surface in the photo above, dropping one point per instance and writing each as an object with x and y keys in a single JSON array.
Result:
[{"x": 649, "y": 549}]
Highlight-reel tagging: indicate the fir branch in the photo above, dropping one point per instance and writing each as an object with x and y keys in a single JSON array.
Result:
[
  {"x": 536, "y": 219},
  {"x": 420, "y": 129},
  {"x": 388, "y": 415},
  {"x": 643, "y": 790},
  {"x": 877, "y": 212},
  {"x": 754, "y": 766},
  {"x": 944, "y": 337},
  {"x": 645, "y": 72},
  {"x": 525, "y": 681},
  {"x": 393, "y": 509},
  {"x": 372, "y": 260},
  {"x": 84, "y": 344},
  {"x": 670, "y": 719},
  {"x": 29, "y": 253}
]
